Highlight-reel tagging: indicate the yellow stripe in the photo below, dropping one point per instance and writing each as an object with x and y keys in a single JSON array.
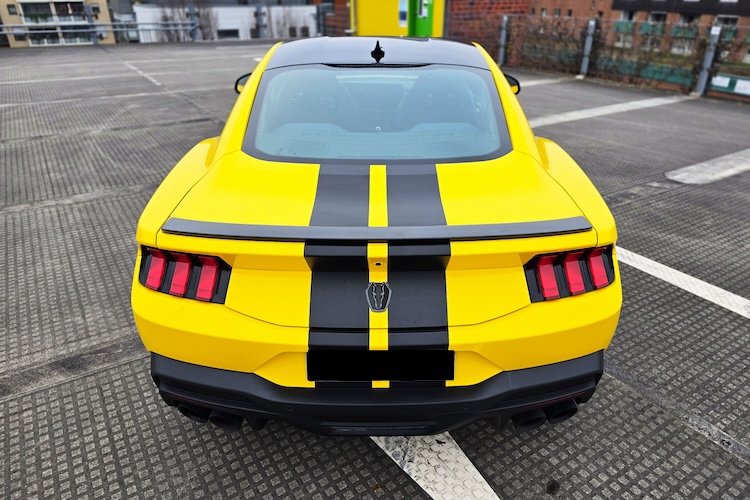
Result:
[
  {"x": 377, "y": 260},
  {"x": 378, "y": 197}
]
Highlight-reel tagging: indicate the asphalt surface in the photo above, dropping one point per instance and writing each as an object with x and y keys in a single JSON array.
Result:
[{"x": 86, "y": 135}]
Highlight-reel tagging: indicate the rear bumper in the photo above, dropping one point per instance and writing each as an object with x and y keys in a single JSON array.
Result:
[{"x": 365, "y": 411}]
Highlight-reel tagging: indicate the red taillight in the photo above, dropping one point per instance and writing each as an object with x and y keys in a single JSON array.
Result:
[
  {"x": 598, "y": 269},
  {"x": 545, "y": 268},
  {"x": 156, "y": 268},
  {"x": 181, "y": 275},
  {"x": 207, "y": 280},
  {"x": 573, "y": 273},
  {"x": 555, "y": 276},
  {"x": 185, "y": 275}
]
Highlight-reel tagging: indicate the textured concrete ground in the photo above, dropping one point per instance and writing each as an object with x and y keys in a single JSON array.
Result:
[{"x": 86, "y": 134}]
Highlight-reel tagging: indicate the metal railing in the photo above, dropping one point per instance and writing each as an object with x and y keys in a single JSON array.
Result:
[
  {"x": 55, "y": 34},
  {"x": 633, "y": 51}
]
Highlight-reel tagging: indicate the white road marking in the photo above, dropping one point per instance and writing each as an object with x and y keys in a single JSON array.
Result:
[
  {"x": 70, "y": 78},
  {"x": 144, "y": 75},
  {"x": 604, "y": 110},
  {"x": 543, "y": 81},
  {"x": 228, "y": 69},
  {"x": 700, "y": 288},
  {"x": 712, "y": 170},
  {"x": 438, "y": 465},
  {"x": 191, "y": 60},
  {"x": 119, "y": 96}
]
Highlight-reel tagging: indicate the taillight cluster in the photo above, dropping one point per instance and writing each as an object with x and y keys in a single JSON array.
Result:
[
  {"x": 559, "y": 275},
  {"x": 184, "y": 275}
]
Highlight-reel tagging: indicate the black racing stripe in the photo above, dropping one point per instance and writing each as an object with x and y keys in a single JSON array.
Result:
[
  {"x": 418, "y": 338},
  {"x": 418, "y": 309},
  {"x": 414, "y": 196},
  {"x": 339, "y": 315},
  {"x": 339, "y": 340},
  {"x": 343, "y": 196}
]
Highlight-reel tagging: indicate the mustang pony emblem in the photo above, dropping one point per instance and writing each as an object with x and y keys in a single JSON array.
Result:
[{"x": 378, "y": 296}]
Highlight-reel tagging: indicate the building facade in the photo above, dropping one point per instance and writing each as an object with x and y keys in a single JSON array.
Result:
[{"x": 33, "y": 23}]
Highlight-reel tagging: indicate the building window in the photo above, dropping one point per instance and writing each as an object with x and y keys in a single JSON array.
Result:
[
  {"x": 569, "y": 13},
  {"x": 627, "y": 15},
  {"x": 600, "y": 14},
  {"x": 543, "y": 12},
  {"x": 533, "y": 11},
  {"x": 687, "y": 18},
  {"x": 557, "y": 13},
  {"x": 12, "y": 9},
  {"x": 228, "y": 34},
  {"x": 657, "y": 17},
  {"x": 727, "y": 21}
]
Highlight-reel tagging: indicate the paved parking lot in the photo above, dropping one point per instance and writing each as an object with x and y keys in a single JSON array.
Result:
[{"x": 86, "y": 135}]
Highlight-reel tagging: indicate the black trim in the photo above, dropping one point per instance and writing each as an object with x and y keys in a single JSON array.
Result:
[
  {"x": 375, "y": 234},
  {"x": 344, "y": 409}
]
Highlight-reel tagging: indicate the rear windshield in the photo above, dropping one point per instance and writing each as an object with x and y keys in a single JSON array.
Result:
[{"x": 316, "y": 113}]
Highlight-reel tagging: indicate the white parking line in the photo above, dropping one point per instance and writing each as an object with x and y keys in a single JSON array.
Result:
[
  {"x": 144, "y": 75},
  {"x": 543, "y": 81},
  {"x": 712, "y": 170},
  {"x": 604, "y": 110},
  {"x": 438, "y": 465},
  {"x": 707, "y": 291},
  {"x": 119, "y": 96},
  {"x": 70, "y": 78}
]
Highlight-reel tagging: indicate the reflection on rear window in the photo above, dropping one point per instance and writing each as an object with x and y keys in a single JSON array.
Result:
[{"x": 317, "y": 113}]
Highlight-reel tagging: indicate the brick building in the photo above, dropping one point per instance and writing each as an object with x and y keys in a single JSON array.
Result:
[
  {"x": 706, "y": 12},
  {"x": 573, "y": 8}
]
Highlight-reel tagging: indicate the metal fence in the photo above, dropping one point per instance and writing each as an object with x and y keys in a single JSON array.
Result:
[{"x": 636, "y": 52}]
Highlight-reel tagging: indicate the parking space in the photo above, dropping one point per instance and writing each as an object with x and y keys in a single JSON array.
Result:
[{"x": 86, "y": 135}]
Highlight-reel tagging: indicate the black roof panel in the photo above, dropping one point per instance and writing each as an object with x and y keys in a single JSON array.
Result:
[{"x": 356, "y": 51}]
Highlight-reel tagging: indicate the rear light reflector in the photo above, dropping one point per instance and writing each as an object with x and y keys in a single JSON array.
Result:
[
  {"x": 181, "y": 275},
  {"x": 207, "y": 281},
  {"x": 598, "y": 269},
  {"x": 157, "y": 265},
  {"x": 560, "y": 275},
  {"x": 545, "y": 268},
  {"x": 197, "y": 277},
  {"x": 573, "y": 273}
]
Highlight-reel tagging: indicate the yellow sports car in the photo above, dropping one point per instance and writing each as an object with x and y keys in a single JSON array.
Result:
[{"x": 376, "y": 244}]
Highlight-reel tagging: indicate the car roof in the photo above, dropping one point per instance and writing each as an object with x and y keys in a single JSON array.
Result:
[{"x": 357, "y": 51}]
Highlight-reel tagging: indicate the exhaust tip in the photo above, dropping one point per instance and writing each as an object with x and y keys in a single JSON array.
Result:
[
  {"x": 560, "y": 412},
  {"x": 529, "y": 420},
  {"x": 194, "y": 412},
  {"x": 226, "y": 421}
]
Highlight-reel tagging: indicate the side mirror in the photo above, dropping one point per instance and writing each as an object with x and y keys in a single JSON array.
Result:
[
  {"x": 515, "y": 85},
  {"x": 241, "y": 82}
]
